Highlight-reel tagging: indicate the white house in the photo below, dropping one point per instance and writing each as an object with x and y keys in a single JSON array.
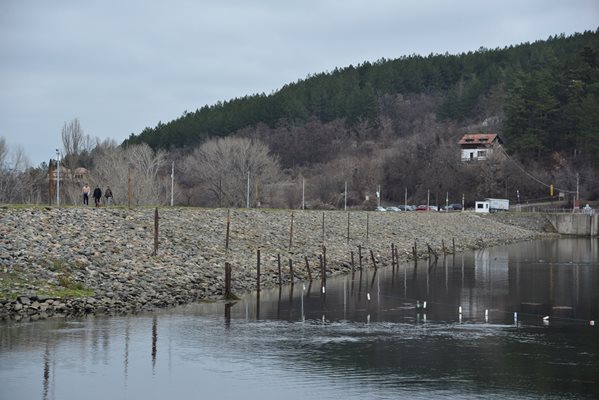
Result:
[{"x": 478, "y": 146}]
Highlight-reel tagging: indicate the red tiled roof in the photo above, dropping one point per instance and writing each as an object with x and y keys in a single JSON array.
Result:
[{"x": 478, "y": 138}]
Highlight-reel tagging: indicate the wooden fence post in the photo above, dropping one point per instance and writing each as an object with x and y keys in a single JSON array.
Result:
[
  {"x": 228, "y": 270},
  {"x": 228, "y": 227},
  {"x": 360, "y": 256},
  {"x": 291, "y": 232},
  {"x": 323, "y": 228},
  {"x": 279, "y": 264},
  {"x": 156, "y": 231},
  {"x": 308, "y": 268},
  {"x": 373, "y": 259},
  {"x": 348, "y": 228}
]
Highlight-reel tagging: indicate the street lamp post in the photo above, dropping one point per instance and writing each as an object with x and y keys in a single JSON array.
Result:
[{"x": 57, "y": 178}]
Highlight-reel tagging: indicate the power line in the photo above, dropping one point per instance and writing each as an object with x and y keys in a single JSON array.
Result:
[{"x": 533, "y": 177}]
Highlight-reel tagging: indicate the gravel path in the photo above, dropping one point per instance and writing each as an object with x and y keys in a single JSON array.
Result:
[{"x": 104, "y": 256}]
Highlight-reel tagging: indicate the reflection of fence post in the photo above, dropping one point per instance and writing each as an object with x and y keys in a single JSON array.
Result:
[
  {"x": 227, "y": 280},
  {"x": 291, "y": 270},
  {"x": 258, "y": 270},
  {"x": 392, "y": 256},
  {"x": 324, "y": 258}
]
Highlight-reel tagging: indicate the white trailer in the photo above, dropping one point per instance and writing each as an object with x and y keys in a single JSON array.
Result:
[
  {"x": 481, "y": 207},
  {"x": 498, "y": 205}
]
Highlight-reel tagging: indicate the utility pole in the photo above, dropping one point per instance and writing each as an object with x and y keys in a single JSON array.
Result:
[
  {"x": 428, "y": 200},
  {"x": 577, "y": 202},
  {"x": 57, "y": 178},
  {"x": 303, "y": 193},
  {"x": 345, "y": 198},
  {"x": 248, "y": 191},
  {"x": 173, "y": 184}
]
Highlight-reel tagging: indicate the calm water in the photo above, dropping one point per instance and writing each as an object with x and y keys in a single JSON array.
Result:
[{"x": 364, "y": 338}]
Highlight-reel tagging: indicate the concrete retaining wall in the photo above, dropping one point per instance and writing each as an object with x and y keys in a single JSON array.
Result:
[{"x": 575, "y": 224}]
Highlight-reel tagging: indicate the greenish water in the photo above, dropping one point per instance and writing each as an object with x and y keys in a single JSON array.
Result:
[{"x": 369, "y": 336}]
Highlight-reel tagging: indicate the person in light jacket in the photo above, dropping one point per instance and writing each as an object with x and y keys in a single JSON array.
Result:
[{"x": 86, "y": 191}]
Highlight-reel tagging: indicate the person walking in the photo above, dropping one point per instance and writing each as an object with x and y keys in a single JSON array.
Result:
[
  {"x": 108, "y": 195},
  {"x": 86, "y": 191},
  {"x": 97, "y": 196}
]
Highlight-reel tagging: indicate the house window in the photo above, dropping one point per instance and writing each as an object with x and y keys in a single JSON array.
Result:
[{"x": 481, "y": 153}]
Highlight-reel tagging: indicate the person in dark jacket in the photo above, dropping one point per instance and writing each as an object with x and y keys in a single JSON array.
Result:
[
  {"x": 97, "y": 196},
  {"x": 108, "y": 195}
]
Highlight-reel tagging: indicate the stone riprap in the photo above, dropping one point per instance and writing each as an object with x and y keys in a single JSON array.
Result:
[{"x": 64, "y": 261}]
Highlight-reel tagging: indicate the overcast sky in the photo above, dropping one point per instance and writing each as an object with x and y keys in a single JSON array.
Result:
[{"x": 119, "y": 66}]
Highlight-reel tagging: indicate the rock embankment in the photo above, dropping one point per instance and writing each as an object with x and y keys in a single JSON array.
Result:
[{"x": 100, "y": 260}]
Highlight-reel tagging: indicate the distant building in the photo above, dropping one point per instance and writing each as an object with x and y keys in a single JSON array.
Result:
[
  {"x": 479, "y": 146},
  {"x": 76, "y": 175}
]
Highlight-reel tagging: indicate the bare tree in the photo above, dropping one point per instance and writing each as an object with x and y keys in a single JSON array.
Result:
[
  {"x": 76, "y": 144},
  {"x": 220, "y": 167},
  {"x": 13, "y": 177},
  {"x": 113, "y": 166},
  {"x": 3, "y": 152}
]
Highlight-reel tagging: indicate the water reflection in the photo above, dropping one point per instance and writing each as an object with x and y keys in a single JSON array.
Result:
[
  {"x": 386, "y": 333},
  {"x": 154, "y": 340}
]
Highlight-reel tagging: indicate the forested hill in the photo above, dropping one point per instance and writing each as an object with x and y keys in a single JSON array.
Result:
[{"x": 542, "y": 96}]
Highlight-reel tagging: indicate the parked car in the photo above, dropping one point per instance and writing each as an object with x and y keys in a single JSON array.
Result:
[
  {"x": 379, "y": 208},
  {"x": 406, "y": 207},
  {"x": 425, "y": 208},
  {"x": 453, "y": 207},
  {"x": 393, "y": 209}
]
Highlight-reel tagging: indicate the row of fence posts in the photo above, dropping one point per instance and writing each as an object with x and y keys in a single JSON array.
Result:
[{"x": 322, "y": 258}]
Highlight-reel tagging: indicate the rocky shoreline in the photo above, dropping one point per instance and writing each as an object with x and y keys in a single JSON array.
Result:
[{"x": 79, "y": 260}]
